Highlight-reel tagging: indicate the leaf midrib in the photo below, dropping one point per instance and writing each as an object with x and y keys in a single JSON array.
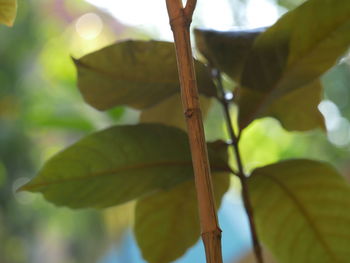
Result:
[
  {"x": 32, "y": 187},
  {"x": 113, "y": 77},
  {"x": 306, "y": 216}
]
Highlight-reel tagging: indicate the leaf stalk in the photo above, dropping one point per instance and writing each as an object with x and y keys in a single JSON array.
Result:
[{"x": 240, "y": 173}]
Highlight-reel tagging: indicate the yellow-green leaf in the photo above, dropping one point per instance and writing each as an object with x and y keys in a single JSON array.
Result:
[
  {"x": 118, "y": 219},
  {"x": 166, "y": 223},
  {"x": 119, "y": 164},
  {"x": 170, "y": 112},
  {"x": 138, "y": 74},
  {"x": 8, "y": 11},
  {"x": 294, "y": 52},
  {"x": 296, "y": 110},
  {"x": 301, "y": 210}
]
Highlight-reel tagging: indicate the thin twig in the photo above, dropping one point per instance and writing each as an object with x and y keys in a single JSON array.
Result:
[
  {"x": 189, "y": 8},
  {"x": 241, "y": 174},
  {"x": 180, "y": 20}
]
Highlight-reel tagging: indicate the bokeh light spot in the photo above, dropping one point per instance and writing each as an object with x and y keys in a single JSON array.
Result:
[
  {"x": 341, "y": 136},
  {"x": 89, "y": 26},
  {"x": 331, "y": 114}
]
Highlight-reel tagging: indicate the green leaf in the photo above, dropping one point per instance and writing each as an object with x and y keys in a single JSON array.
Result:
[
  {"x": 302, "y": 211},
  {"x": 166, "y": 223},
  {"x": 170, "y": 112},
  {"x": 227, "y": 51},
  {"x": 138, "y": 74},
  {"x": 296, "y": 51},
  {"x": 8, "y": 11},
  {"x": 119, "y": 164},
  {"x": 296, "y": 110}
]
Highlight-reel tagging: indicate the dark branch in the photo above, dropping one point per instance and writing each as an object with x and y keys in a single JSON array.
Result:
[{"x": 240, "y": 173}]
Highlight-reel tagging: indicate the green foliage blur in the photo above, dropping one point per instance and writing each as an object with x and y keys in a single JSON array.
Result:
[{"x": 41, "y": 112}]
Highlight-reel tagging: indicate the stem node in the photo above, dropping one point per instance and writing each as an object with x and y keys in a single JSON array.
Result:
[{"x": 180, "y": 19}]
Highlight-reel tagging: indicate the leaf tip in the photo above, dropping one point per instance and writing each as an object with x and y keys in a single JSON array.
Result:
[
  {"x": 28, "y": 186},
  {"x": 8, "y": 23},
  {"x": 23, "y": 188},
  {"x": 8, "y": 13},
  {"x": 75, "y": 60}
]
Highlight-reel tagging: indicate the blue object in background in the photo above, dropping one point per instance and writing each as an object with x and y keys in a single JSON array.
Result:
[{"x": 235, "y": 238}]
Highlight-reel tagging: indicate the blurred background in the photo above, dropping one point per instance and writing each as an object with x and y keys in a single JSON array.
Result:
[{"x": 41, "y": 112}]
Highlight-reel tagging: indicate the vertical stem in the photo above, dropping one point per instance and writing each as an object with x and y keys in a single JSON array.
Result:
[
  {"x": 180, "y": 20},
  {"x": 241, "y": 175}
]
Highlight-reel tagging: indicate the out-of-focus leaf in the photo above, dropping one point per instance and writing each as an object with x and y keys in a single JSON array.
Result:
[
  {"x": 119, "y": 164},
  {"x": 296, "y": 110},
  {"x": 301, "y": 210},
  {"x": 59, "y": 120},
  {"x": 8, "y": 11},
  {"x": 3, "y": 174},
  {"x": 116, "y": 113},
  {"x": 227, "y": 51},
  {"x": 166, "y": 223},
  {"x": 170, "y": 112},
  {"x": 138, "y": 74},
  {"x": 294, "y": 52},
  {"x": 117, "y": 219}
]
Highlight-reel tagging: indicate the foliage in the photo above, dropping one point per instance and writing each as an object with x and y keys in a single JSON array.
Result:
[
  {"x": 276, "y": 73},
  {"x": 311, "y": 198},
  {"x": 27, "y": 112},
  {"x": 108, "y": 165},
  {"x": 8, "y": 9},
  {"x": 175, "y": 220},
  {"x": 141, "y": 79}
]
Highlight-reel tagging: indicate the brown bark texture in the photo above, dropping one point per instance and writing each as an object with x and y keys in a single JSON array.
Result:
[{"x": 180, "y": 20}]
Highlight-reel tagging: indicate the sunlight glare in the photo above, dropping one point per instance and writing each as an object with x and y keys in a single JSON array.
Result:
[
  {"x": 152, "y": 16},
  {"x": 145, "y": 15},
  {"x": 214, "y": 14},
  {"x": 261, "y": 13}
]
